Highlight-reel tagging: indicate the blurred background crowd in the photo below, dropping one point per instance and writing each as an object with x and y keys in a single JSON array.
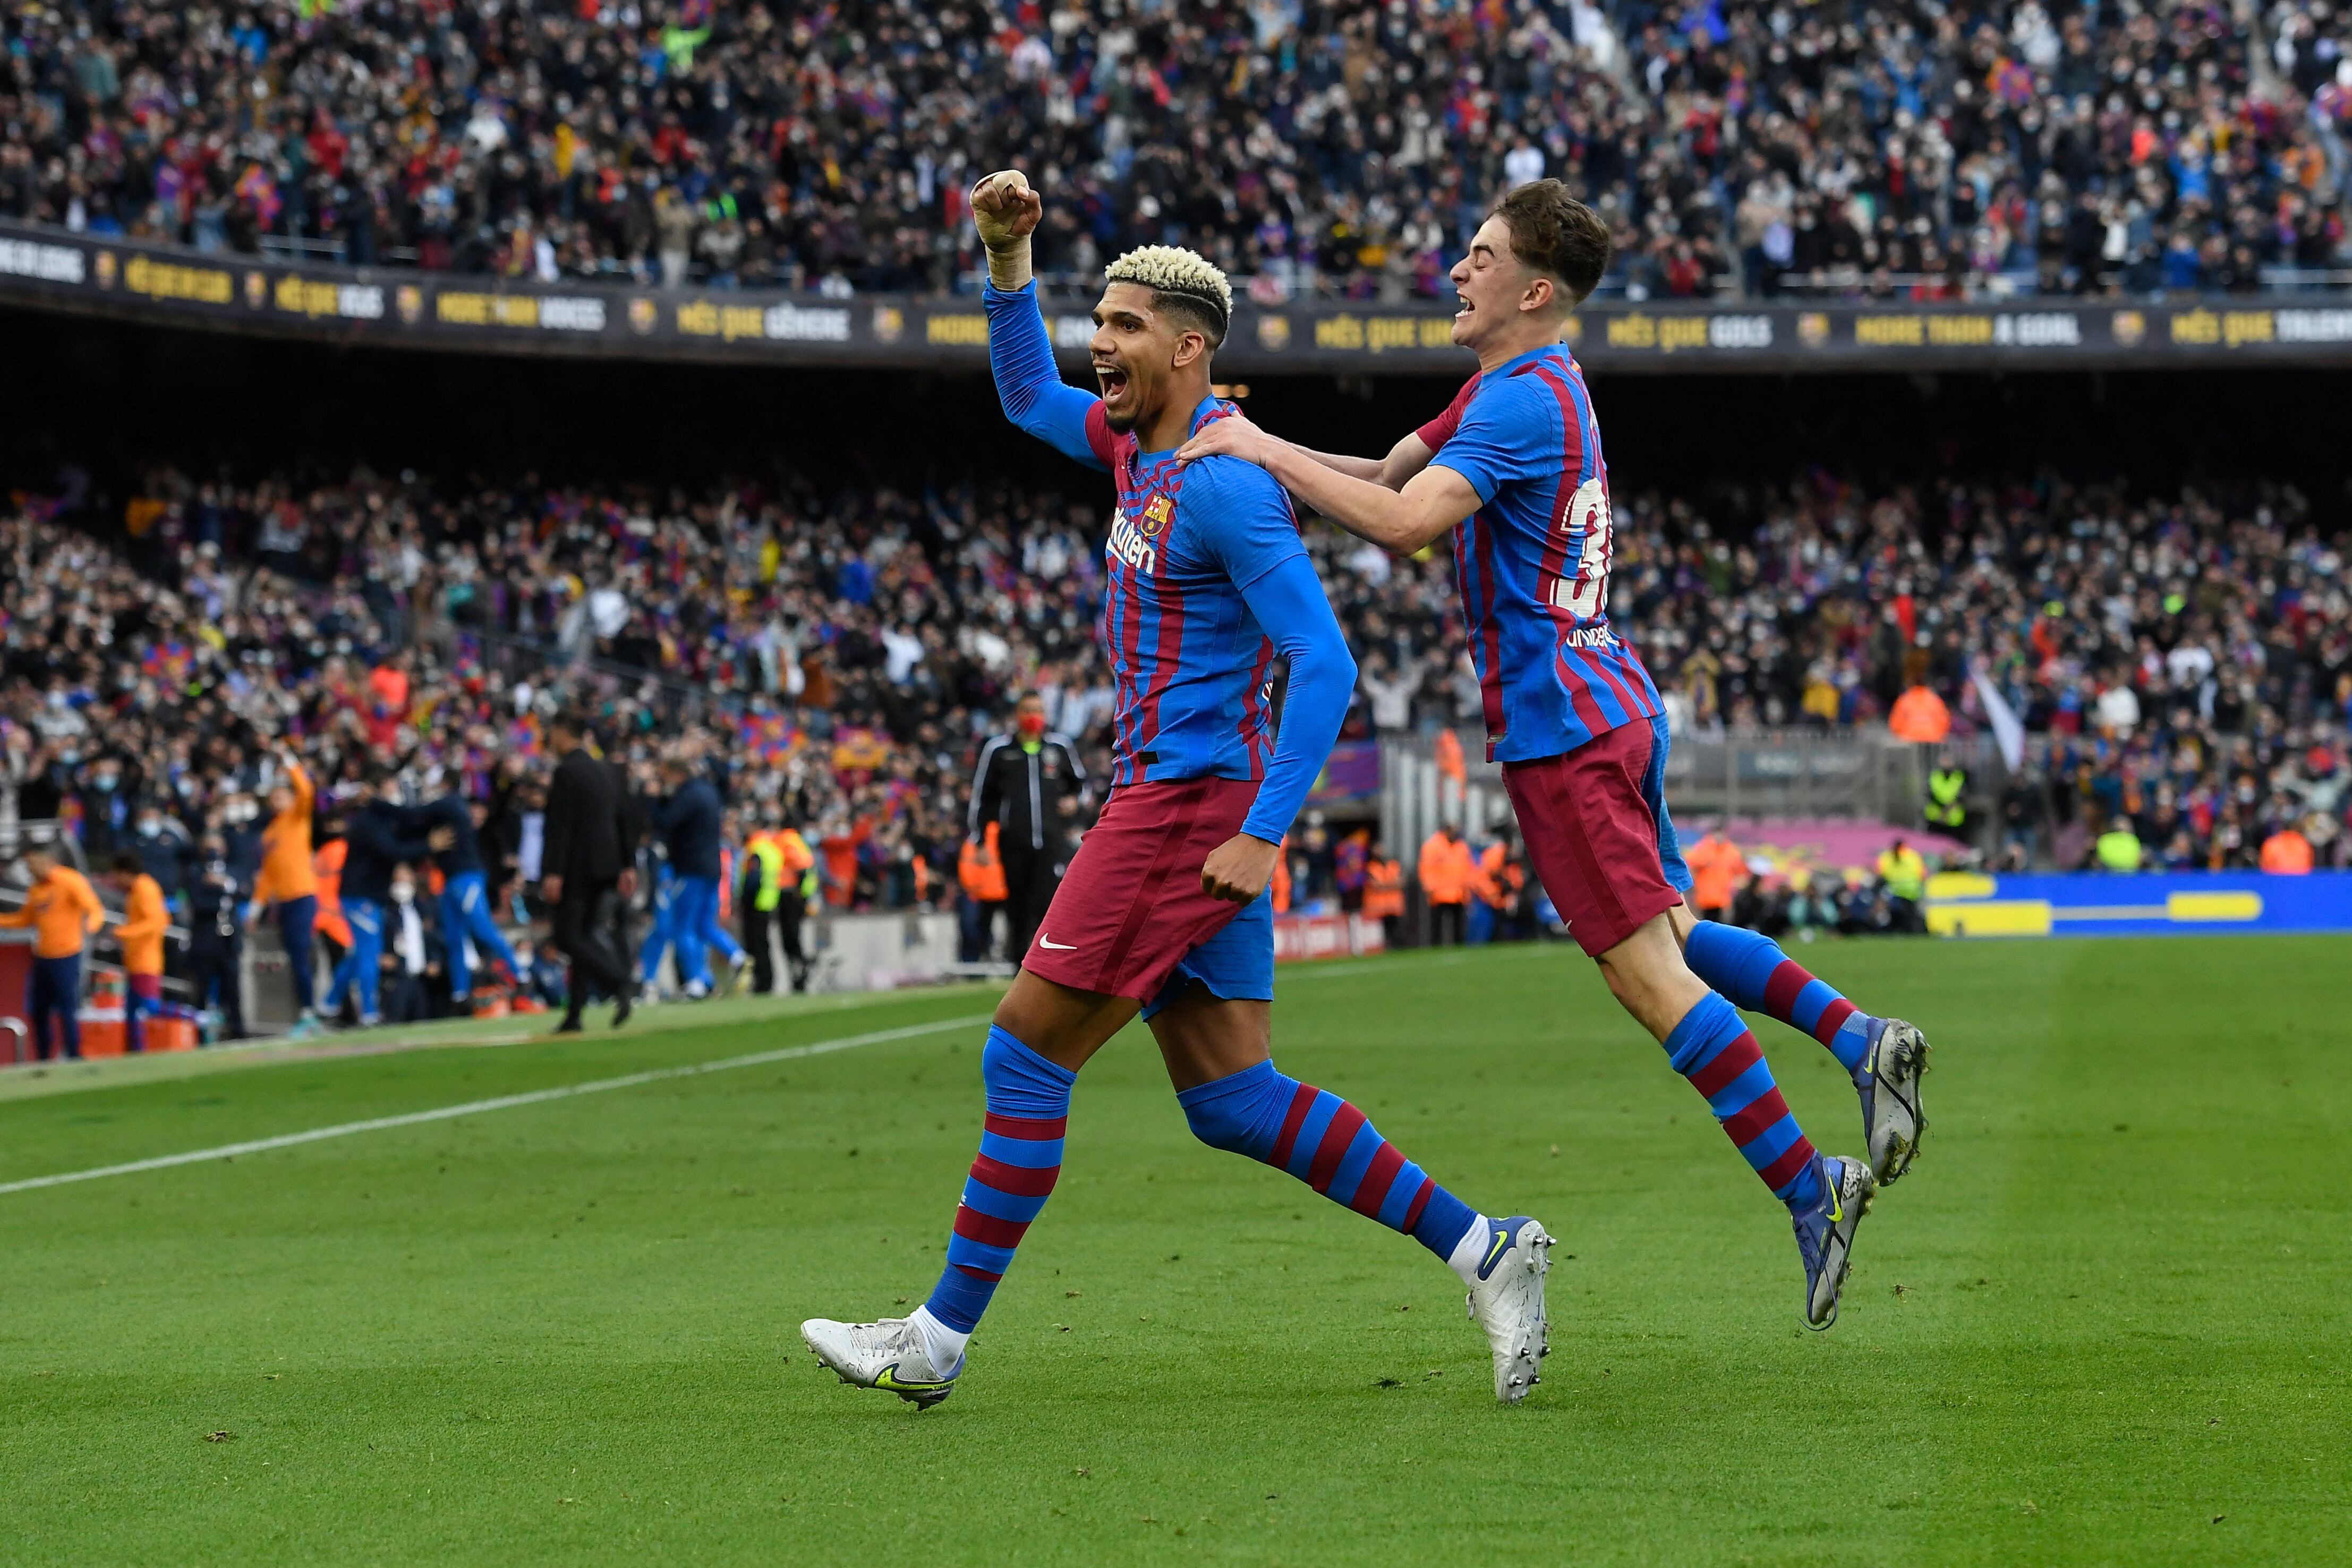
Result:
[
  {"x": 1902, "y": 148},
  {"x": 832, "y": 660}
]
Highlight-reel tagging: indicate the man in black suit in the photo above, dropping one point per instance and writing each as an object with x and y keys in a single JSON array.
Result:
[{"x": 585, "y": 871}]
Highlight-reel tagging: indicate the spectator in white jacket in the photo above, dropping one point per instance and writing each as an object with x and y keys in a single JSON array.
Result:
[{"x": 1389, "y": 692}]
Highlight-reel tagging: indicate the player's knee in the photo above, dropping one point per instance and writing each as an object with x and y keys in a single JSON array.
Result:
[
  {"x": 1652, "y": 983},
  {"x": 1636, "y": 992},
  {"x": 1623, "y": 979},
  {"x": 1219, "y": 1124},
  {"x": 1239, "y": 1113}
]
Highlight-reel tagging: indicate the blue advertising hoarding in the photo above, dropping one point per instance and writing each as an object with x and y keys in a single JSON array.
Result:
[{"x": 2091, "y": 903}]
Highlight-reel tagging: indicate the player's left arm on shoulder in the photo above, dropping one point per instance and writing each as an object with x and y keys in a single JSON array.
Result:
[
  {"x": 1407, "y": 458},
  {"x": 1256, "y": 536},
  {"x": 1405, "y": 519}
]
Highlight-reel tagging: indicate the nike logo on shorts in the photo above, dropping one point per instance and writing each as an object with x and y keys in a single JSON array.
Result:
[{"x": 1048, "y": 943}]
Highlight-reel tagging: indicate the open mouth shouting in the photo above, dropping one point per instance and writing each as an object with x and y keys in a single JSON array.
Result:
[{"x": 1113, "y": 379}]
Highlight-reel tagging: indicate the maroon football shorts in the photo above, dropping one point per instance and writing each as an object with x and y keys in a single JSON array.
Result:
[
  {"x": 1597, "y": 834},
  {"x": 1129, "y": 916}
]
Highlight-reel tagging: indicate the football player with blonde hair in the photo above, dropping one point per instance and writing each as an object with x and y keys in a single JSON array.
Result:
[{"x": 1164, "y": 910}]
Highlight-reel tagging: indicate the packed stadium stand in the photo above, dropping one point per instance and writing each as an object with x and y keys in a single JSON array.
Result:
[
  {"x": 1908, "y": 149},
  {"x": 410, "y": 372},
  {"x": 2182, "y": 662}
]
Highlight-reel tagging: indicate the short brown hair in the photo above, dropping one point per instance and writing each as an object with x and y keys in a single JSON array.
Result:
[{"x": 1553, "y": 232}]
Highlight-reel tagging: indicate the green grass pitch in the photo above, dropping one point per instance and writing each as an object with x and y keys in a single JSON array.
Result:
[{"x": 2103, "y": 1320}]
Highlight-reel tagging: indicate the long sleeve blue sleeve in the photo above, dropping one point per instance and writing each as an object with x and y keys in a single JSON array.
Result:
[
  {"x": 1243, "y": 520},
  {"x": 1035, "y": 397},
  {"x": 1289, "y": 602}
]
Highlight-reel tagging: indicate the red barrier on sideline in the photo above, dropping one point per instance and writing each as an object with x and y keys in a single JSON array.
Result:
[{"x": 1300, "y": 937}]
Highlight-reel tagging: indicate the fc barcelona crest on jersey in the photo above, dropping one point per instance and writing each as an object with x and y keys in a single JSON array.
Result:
[{"x": 1156, "y": 515}]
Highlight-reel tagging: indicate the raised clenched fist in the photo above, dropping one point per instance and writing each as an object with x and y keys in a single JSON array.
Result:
[{"x": 1004, "y": 209}]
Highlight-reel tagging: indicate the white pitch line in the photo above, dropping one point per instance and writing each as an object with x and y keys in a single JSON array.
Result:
[{"x": 503, "y": 1103}]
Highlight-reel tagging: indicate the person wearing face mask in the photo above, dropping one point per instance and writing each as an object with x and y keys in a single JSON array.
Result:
[
  {"x": 165, "y": 848},
  {"x": 241, "y": 838},
  {"x": 1020, "y": 785},
  {"x": 217, "y": 939},
  {"x": 106, "y": 815},
  {"x": 412, "y": 954}
]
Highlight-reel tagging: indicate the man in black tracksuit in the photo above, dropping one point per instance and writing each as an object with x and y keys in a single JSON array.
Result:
[
  {"x": 216, "y": 937},
  {"x": 586, "y": 868},
  {"x": 1020, "y": 785}
]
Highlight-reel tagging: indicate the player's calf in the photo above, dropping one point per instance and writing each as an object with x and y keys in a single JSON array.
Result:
[
  {"x": 1749, "y": 967},
  {"x": 1020, "y": 1159},
  {"x": 1827, "y": 1195},
  {"x": 1884, "y": 1057},
  {"x": 1330, "y": 1145},
  {"x": 1713, "y": 1049}
]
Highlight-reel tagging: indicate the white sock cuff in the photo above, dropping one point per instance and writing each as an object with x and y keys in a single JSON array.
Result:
[
  {"x": 1471, "y": 1250},
  {"x": 944, "y": 1345}
]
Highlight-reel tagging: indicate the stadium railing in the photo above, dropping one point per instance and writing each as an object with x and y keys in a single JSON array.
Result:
[{"x": 1790, "y": 774}]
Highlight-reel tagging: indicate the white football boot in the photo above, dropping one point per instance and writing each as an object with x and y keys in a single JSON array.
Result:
[
  {"x": 1892, "y": 1121},
  {"x": 889, "y": 1355},
  {"x": 1506, "y": 1297}
]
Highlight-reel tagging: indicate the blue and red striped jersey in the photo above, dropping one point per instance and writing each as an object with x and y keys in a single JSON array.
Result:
[
  {"x": 1533, "y": 560},
  {"x": 1190, "y": 661},
  {"x": 1192, "y": 665}
]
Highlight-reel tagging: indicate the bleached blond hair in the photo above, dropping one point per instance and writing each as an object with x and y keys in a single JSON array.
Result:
[{"x": 1181, "y": 275}]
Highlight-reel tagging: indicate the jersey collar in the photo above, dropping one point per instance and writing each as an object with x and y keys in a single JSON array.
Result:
[
  {"x": 1208, "y": 409},
  {"x": 1513, "y": 367}
]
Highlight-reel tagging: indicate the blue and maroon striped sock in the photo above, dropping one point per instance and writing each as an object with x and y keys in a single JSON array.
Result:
[
  {"x": 1020, "y": 1156},
  {"x": 1712, "y": 1048},
  {"x": 1326, "y": 1143},
  {"x": 1749, "y": 967}
]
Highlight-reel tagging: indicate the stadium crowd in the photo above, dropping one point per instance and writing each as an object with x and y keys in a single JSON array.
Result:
[
  {"x": 832, "y": 659},
  {"x": 2182, "y": 661},
  {"x": 1735, "y": 145}
]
